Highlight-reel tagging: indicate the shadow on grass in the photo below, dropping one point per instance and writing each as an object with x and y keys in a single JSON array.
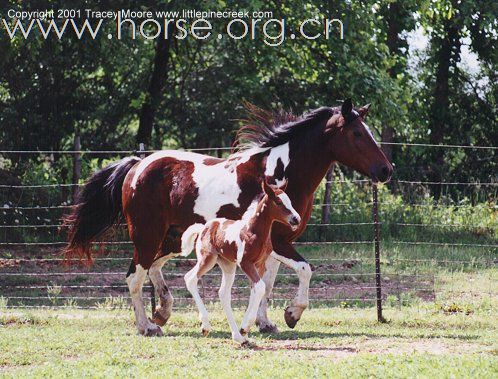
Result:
[{"x": 291, "y": 335}]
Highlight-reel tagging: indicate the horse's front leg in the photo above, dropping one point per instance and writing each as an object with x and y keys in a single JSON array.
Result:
[
  {"x": 285, "y": 253},
  {"x": 262, "y": 320}
]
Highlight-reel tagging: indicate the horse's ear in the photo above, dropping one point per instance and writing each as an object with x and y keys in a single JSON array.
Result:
[
  {"x": 266, "y": 188},
  {"x": 347, "y": 107},
  {"x": 363, "y": 111}
]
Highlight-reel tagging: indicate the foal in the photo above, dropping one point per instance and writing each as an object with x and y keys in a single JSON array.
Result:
[{"x": 230, "y": 243}]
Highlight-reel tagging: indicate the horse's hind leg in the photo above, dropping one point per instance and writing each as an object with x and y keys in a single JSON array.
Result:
[
  {"x": 203, "y": 265},
  {"x": 135, "y": 279},
  {"x": 163, "y": 311},
  {"x": 170, "y": 248}
]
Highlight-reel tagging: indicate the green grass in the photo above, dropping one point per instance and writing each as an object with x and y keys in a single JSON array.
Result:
[{"x": 421, "y": 341}]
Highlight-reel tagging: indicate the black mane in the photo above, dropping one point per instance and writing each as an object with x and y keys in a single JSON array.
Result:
[{"x": 269, "y": 129}]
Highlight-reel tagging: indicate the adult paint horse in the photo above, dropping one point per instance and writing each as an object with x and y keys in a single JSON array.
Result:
[{"x": 163, "y": 194}]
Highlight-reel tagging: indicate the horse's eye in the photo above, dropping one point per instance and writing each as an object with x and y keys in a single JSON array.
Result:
[{"x": 357, "y": 133}]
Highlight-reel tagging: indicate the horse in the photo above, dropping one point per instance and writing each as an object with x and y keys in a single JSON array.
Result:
[
  {"x": 244, "y": 243},
  {"x": 161, "y": 195}
]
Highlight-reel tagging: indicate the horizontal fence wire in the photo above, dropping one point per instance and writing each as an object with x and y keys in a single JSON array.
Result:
[
  {"x": 342, "y": 280},
  {"x": 355, "y": 181},
  {"x": 227, "y": 148}
]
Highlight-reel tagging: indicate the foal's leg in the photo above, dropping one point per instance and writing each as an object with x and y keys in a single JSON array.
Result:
[
  {"x": 257, "y": 293},
  {"x": 135, "y": 279},
  {"x": 228, "y": 270},
  {"x": 204, "y": 264},
  {"x": 264, "y": 323}
]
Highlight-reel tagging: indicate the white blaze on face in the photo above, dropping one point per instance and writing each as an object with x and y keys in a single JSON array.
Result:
[
  {"x": 280, "y": 152},
  {"x": 288, "y": 204}
]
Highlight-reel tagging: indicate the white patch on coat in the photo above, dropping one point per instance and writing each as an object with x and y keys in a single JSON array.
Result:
[
  {"x": 177, "y": 154},
  {"x": 232, "y": 234},
  {"x": 279, "y": 152},
  {"x": 217, "y": 184}
]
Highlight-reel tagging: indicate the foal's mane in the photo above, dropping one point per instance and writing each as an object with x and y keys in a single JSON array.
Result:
[{"x": 264, "y": 128}]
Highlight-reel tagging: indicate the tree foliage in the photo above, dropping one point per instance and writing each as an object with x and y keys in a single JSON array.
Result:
[{"x": 52, "y": 89}]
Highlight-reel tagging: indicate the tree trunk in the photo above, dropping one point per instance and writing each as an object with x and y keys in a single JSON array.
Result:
[
  {"x": 156, "y": 87},
  {"x": 394, "y": 43},
  {"x": 447, "y": 55}
]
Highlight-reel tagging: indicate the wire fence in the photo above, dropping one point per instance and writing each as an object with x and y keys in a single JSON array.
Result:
[{"x": 413, "y": 250}]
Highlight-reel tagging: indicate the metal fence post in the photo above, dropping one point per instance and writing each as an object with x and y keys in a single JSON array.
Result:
[
  {"x": 141, "y": 149},
  {"x": 76, "y": 165},
  {"x": 378, "y": 283}
]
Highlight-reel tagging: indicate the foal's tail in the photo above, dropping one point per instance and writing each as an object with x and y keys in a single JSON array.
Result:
[
  {"x": 189, "y": 237},
  {"x": 97, "y": 208}
]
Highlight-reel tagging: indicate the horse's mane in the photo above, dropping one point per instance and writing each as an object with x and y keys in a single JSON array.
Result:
[{"x": 264, "y": 128}]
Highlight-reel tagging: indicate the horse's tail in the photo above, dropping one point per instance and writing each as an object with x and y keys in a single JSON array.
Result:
[
  {"x": 98, "y": 206},
  {"x": 189, "y": 237}
]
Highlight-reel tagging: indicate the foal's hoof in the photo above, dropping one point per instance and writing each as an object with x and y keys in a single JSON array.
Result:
[
  {"x": 290, "y": 316},
  {"x": 244, "y": 332},
  {"x": 205, "y": 332},
  {"x": 153, "y": 332}
]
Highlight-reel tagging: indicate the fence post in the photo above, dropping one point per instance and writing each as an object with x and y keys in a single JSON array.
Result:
[
  {"x": 326, "y": 199},
  {"x": 141, "y": 149},
  {"x": 76, "y": 165},
  {"x": 378, "y": 283}
]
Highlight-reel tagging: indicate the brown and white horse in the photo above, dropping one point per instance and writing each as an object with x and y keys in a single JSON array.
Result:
[
  {"x": 163, "y": 194},
  {"x": 231, "y": 243}
]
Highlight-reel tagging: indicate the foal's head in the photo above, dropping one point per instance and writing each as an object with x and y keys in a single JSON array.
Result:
[
  {"x": 351, "y": 143},
  {"x": 280, "y": 206}
]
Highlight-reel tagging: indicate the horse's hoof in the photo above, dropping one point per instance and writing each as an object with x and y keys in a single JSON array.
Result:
[
  {"x": 289, "y": 317},
  {"x": 205, "y": 332},
  {"x": 153, "y": 332},
  {"x": 268, "y": 328},
  {"x": 244, "y": 332}
]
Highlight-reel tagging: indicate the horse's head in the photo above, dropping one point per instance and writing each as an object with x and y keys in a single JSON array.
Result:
[
  {"x": 279, "y": 205},
  {"x": 351, "y": 143}
]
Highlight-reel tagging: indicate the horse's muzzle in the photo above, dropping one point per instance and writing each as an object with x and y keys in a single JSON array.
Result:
[
  {"x": 381, "y": 173},
  {"x": 294, "y": 222}
]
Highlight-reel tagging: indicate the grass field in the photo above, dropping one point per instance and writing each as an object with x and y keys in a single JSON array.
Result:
[{"x": 334, "y": 342}]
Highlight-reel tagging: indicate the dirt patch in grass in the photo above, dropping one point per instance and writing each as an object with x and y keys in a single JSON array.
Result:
[{"x": 376, "y": 346}]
